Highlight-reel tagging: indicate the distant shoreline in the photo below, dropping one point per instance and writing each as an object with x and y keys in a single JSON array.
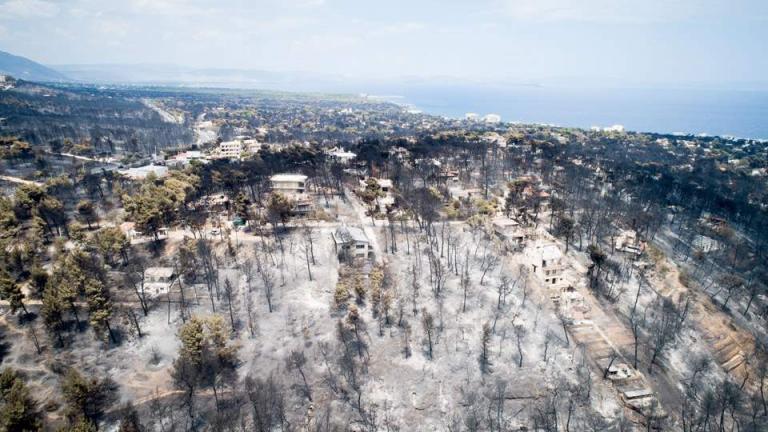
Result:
[{"x": 732, "y": 115}]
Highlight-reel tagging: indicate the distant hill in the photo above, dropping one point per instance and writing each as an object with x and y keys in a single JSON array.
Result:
[
  {"x": 174, "y": 75},
  {"x": 28, "y": 70}
]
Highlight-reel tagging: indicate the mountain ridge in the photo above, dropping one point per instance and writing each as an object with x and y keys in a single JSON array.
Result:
[{"x": 23, "y": 68}]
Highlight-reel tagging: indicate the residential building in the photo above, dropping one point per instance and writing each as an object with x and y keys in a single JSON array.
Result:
[
  {"x": 449, "y": 175},
  {"x": 495, "y": 139},
  {"x": 142, "y": 172},
  {"x": 548, "y": 264},
  {"x": 302, "y": 205},
  {"x": 229, "y": 150},
  {"x": 289, "y": 183},
  {"x": 458, "y": 192},
  {"x": 158, "y": 280},
  {"x": 183, "y": 159},
  {"x": 234, "y": 149},
  {"x": 386, "y": 187},
  {"x": 351, "y": 242},
  {"x": 159, "y": 274},
  {"x": 129, "y": 230},
  {"x": 510, "y": 232},
  {"x": 342, "y": 156},
  {"x": 294, "y": 186},
  {"x": 627, "y": 241}
]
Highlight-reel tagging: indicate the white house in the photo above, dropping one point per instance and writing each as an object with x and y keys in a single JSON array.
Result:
[
  {"x": 289, "y": 184},
  {"x": 495, "y": 139},
  {"x": 159, "y": 274},
  {"x": 352, "y": 242},
  {"x": 140, "y": 173},
  {"x": 386, "y": 187},
  {"x": 158, "y": 280},
  {"x": 628, "y": 242},
  {"x": 228, "y": 150},
  {"x": 234, "y": 149},
  {"x": 183, "y": 159},
  {"x": 129, "y": 229},
  {"x": 509, "y": 232},
  {"x": 341, "y": 155},
  {"x": 547, "y": 263}
]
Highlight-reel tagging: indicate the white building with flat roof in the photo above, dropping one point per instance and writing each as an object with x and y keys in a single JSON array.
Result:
[
  {"x": 341, "y": 155},
  {"x": 509, "y": 231},
  {"x": 183, "y": 159},
  {"x": 142, "y": 172},
  {"x": 234, "y": 149},
  {"x": 229, "y": 150},
  {"x": 547, "y": 263},
  {"x": 289, "y": 183}
]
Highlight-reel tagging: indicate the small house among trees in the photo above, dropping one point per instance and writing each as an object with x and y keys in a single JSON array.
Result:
[
  {"x": 158, "y": 280},
  {"x": 351, "y": 243},
  {"x": 510, "y": 232},
  {"x": 383, "y": 188},
  {"x": 547, "y": 263}
]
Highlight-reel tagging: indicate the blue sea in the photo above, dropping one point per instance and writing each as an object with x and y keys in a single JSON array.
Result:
[{"x": 738, "y": 113}]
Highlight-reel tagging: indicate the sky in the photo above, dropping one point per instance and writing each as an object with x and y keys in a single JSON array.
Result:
[{"x": 711, "y": 42}]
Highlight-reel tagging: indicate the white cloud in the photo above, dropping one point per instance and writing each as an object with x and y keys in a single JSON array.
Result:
[
  {"x": 112, "y": 29},
  {"x": 404, "y": 27},
  {"x": 312, "y": 2},
  {"x": 28, "y": 9},
  {"x": 174, "y": 8},
  {"x": 612, "y": 11}
]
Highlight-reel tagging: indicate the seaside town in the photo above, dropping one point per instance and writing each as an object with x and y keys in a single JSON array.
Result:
[{"x": 213, "y": 260}]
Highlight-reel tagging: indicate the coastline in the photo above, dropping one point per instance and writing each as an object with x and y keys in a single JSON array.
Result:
[{"x": 727, "y": 114}]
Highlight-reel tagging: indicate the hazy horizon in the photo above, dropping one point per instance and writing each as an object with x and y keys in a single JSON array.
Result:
[{"x": 710, "y": 43}]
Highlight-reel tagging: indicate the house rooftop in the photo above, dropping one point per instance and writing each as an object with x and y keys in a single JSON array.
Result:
[
  {"x": 549, "y": 252},
  {"x": 288, "y": 178},
  {"x": 636, "y": 394},
  {"x": 346, "y": 234},
  {"x": 159, "y": 272},
  {"x": 142, "y": 172},
  {"x": 504, "y": 222},
  {"x": 189, "y": 154}
]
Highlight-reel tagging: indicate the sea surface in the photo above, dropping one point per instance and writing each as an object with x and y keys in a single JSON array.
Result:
[{"x": 737, "y": 113}]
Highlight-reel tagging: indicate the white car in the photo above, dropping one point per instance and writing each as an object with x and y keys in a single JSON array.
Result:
[{"x": 215, "y": 232}]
